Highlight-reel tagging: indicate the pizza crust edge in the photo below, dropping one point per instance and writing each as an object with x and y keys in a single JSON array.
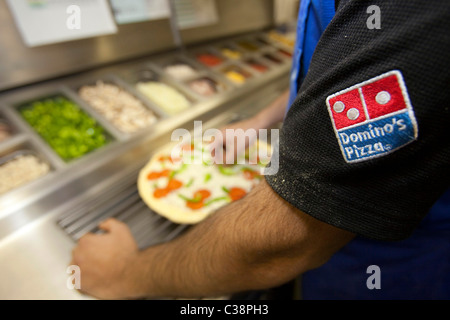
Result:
[{"x": 171, "y": 212}]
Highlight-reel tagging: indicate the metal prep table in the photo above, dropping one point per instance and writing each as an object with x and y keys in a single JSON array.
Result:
[{"x": 41, "y": 221}]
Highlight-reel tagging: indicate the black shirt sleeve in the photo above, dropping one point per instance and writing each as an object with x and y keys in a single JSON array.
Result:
[{"x": 386, "y": 196}]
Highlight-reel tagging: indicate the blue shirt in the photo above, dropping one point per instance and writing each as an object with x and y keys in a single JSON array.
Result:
[{"x": 313, "y": 18}]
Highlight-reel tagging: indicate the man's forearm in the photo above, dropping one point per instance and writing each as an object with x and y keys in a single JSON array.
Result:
[
  {"x": 204, "y": 262},
  {"x": 255, "y": 243}
]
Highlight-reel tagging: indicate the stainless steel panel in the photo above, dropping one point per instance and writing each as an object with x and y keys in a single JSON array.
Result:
[
  {"x": 235, "y": 17},
  {"x": 21, "y": 65}
]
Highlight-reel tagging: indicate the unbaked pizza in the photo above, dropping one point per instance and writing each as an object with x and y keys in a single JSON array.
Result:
[{"x": 185, "y": 186}]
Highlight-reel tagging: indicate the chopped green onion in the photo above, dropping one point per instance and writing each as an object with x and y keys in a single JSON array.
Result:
[
  {"x": 217, "y": 199},
  {"x": 174, "y": 173},
  {"x": 194, "y": 200},
  {"x": 183, "y": 197},
  {"x": 227, "y": 171},
  {"x": 207, "y": 163},
  {"x": 190, "y": 183},
  {"x": 225, "y": 189},
  {"x": 208, "y": 177},
  {"x": 183, "y": 167}
]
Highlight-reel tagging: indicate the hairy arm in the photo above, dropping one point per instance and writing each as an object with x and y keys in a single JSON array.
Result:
[{"x": 257, "y": 242}]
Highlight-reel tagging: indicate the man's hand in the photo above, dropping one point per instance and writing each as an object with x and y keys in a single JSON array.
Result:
[
  {"x": 103, "y": 261},
  {"x": 227, "y": 150}
]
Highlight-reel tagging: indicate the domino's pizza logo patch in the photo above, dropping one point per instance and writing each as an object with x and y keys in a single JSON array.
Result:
[{"x": 373, "y": 118}]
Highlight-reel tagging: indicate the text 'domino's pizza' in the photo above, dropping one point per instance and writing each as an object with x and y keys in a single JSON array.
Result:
[{"x": 373, "y": 118}]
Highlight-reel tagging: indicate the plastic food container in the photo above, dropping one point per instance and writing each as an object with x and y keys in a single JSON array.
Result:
[
  {"x": 209, "y": 59},
  {"x": 262, "y": 41},
  {"x": 69, "y": 130},
  {"x": 285, "y": 53},
  {"x": 165, "y": 96},
  {"x": 230, "y": 52},
  {"x": 272, "y": 58},
  {"x": 180, "y": 70},
  {"x": 248, "y": 45},
  {"x": 205, "y": 86},
  {"x": 287, "y": 40},
  {"x": 257, "y": 65},
  {"x": 158, "y": 89},
  {"x": 117, "y": 105},
  {"x": 236, "y": 74},
  {"x": 21, "y": 167}
]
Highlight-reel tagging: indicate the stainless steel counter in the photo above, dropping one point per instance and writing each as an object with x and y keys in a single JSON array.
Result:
[{"x": 40, "y": 222}]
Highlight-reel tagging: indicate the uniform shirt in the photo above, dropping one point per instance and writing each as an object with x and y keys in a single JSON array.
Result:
[{"x": 365, "y": 147}]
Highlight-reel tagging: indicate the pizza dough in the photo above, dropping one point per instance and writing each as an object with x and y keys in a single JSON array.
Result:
[{"x": 188, "y": 188}]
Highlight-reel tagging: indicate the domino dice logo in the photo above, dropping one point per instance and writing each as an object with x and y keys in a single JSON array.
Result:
[
  {"x": 373, "y": 118},
  {"x": 347, "y": 109}
]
